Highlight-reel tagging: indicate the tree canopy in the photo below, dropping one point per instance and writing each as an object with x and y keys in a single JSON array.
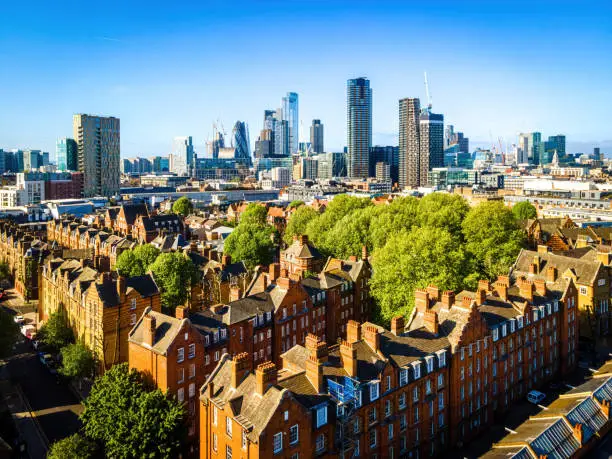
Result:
[
  {"x": 254, "y": 214},
  {"x": 175, "y": 274},
  {"x": 77, "y": 361},
  {"x": 136, "y": 262},
  {"x": 295, "y": 203},
  {"x": 75, "y": 446},
  {"x": 55, "y": 332},
  {"x": 252, "y": 240},
  {"x": 130, "y": 420},
  {"x": 298, "y": 222},
  {"x": 524, "y": 210},
  {"x": 182, "y": 206}
]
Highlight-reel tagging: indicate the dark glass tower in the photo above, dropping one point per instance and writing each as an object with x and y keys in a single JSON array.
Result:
[{"x": 359, "y": 126}]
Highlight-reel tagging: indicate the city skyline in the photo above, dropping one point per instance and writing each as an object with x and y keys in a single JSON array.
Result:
[{"x": 474, "y": 62}]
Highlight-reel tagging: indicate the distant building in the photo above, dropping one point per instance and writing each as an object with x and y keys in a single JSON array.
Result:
[
  {"x": 241, "y": 143},
  {"x": 409, "y": 146},
  {"x": 359, "y": 126},
  {"x": 160, "y": 164},
  {"x": 290, "y": 114},
  {"x": 98, "y": 143},
  {"x": 532, "y": 147},
  {"x": 316, "y": 137},
  {"x": 182, "y": 157},
  {"x": 431, "y": 141},
  {"x": 67, "y": 155},
  {"x": 554, "y": 144},
  {"x": 383, "y": 172},
  {"x": 385, "y": 154}
]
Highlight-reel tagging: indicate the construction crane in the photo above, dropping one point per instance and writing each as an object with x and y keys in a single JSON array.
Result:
[{"x": 427, "y": 92}]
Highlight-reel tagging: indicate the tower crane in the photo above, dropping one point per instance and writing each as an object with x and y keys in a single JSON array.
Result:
[{"x": 427, "y": 92}]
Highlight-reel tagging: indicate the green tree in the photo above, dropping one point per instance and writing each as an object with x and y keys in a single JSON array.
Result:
[
  {"x": 442, "y": 210},
  {"x": 182, "y": 206},
  {"x": 5, "y": 272},
  {"x": 343, "y": 204},
  {"x": 524, "y": 210},
  {"x": 400, "y": 215},
  {"x": 298, "y": 222},
  {"x": 77, "y": 361},
  {"x": 55, "y": 332},
  {"x": 254, "y": 214},
  {"x": 296, "y": 203},
  {"x": 251, "y": 243},
  {"x": 174, "y": 273},
  {"x": 351, "y": 233},
  {"x": 130, "y": 420},
  {"x": 75, "y": 446},
  {"x": 414, "y": 260},
  {"x": 136, "y": 262},
  {"x": 492, "y": 241},
  {"x": 9, "y": 331}
]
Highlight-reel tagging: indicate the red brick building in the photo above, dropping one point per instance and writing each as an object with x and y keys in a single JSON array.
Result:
[{"x": 65, "y": 189}]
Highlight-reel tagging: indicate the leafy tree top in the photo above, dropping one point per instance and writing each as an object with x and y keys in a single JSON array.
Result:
[
  {"x": 524, "y": 210},
  {"x": 182, "y": 206},
  {"x": 55, "y": 332},
  {"x": 296, "y": 203},
  {"x": 174, "y": 273}
]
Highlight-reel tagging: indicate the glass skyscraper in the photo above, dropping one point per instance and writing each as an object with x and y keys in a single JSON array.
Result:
[
  {"x": 240, "y": 141},
  {"x": 181, "y": 161},
  {"x": 358, "y": 126},
  {"x": 290, "y": 113},
  {"x": 66, "y": 154}
]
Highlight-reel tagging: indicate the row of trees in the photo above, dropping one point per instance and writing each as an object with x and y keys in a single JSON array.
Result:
[
  {"x": 174, "y": 272},
  {"x": 125, "y": 417},
  {"x": 437, "y": 239}
]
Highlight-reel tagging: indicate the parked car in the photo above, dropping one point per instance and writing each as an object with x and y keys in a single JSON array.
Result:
[
  {"x": 535, "y": 397},
  {"x": 29, "y": 331},
  {"x": 48, "y": 361},
  {"x": 19, "y": 319}
]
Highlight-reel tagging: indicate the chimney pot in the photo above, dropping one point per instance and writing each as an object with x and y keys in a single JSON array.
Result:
[
  {"x": 265, "y": 376},
  {"x": 397, "y": 325},
  {"x": 150, "y": 325},
  {"x": 434, "y": 293},
  {"x": 181, "y": 312},
  {"x": 421, "y": 300},
  {"x": 353, "y": 331},
  {"x": 448, "y": 299}
]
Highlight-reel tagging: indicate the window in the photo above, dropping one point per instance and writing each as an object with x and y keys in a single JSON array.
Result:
[
  {"x": 320, "y": 443},
  {"x": 244, "y": 440},
  {"x": 441, "y": 359},
  {"x": 417, "y": 370},
  {"x": 415, "y": 394},
  {"x": 228, "y": 426},
  {"x": 278, "y": 442},
  {"x": 214, "y": 441},
  {"x": 191, "y": 354},
  {"x": 390, "y": 435},
  {"x": 583, "y": 290},
  {"x": 321, "y": 416},
  {"x": 192, "y": 371},
  {"x": 374, "y": 390},
  {"x": 403, "y": 378},
  {"x": 430, "y": 367},
  {"x": 133, "y": 319},
  {"x": 372, "y": 415},
  {"x": 428, "y": 387},
  {"x": 416, "y": 413},
  {"x": 294, "y": 434},
  {"x": 191, "y": 390},
  {"x": 181, "y": 395},
  {"x": 440, "y": 401},
  {"x": 181, "y": 375},
  {"x": 496, "y": 334},
  {"x": 372, "y": 438},
  {"x": 387, "y": 408},
  {"x": 133, "y": 304},
  {"x": 181, "y": 354},
  {"x": 402, "y": 401},
  {"x": 440, "y": 380},
  {"x": 358, "y": 399},
  {"x": 228, "y": 452},
  {"x": 388, "y": 384},
  {"x": 403, "y": 422},
  {"x": 214, "y": 416}
]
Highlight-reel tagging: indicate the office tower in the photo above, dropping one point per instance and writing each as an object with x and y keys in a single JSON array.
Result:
[
  {"x": 359, "y": 126},
  {"x": 3, "y": 161},
  {"x": 554, "y": 144},
  {"x": 597, "y": 156},
  {"x": 99, "y": 151},
  {"x": 316, "y": 137},
  {"x": 281, "y": 138},
  {"x": 431, "y": 147},
  {"x": 383, "y": 171},
  {"x": 240, "y": 141},
  {"x": 182, "y": 155},
  {"x": 44, "y": 158},
  {"x": 290, "y": 114},
  {"x": 385, "y": 154},
  {"x": 161, "y": 164},
  {"x": 66, "y": 155},
  {"x": 409, "y": 143},
  {"x": 32, "y": 160},
  {"x": 531, "y": 144},
  {"x": 18, "y": 163},
  {"x": 449, "y": 136}
]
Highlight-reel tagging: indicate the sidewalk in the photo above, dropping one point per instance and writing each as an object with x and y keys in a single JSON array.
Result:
[{"x": 25, "y": 421}]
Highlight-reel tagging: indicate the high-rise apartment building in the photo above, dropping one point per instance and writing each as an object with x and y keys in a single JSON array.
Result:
[
  {"x": 181, "y": 159},
  {"x": 316, "y": 137},
  {"x": 597, "y": 156},
  {"x": 532, "y": 146},
  {"x": 431, "y": 143},
  {"x": 290, "y": 114},
  {"x": 99, "y": 151},
  {"x": 409, "y": 143},
  {"x": 67, "y": 155},
  {"x": 359, "y": 126},
  {"x": 32, "y": 160},
  {"x": 241, "y": 143}
]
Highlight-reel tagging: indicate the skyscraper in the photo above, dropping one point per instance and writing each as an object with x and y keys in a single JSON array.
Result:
[
  {"x": 281, "y": 138},
  {"x": 532, "y": 146},
  {"x": 66, "y": 154},
  {"x": 240, "y": 141},
  {"x": 554, "y": 144},
  {"x": 359, "y": 126},
  {"x": 316, "y": 137},
  {"x": 409, "y": 143},
  {"x": 181, "y": 159},
  {"x": 98, "y": 144},
  {"x": 431, "y": 143},
  {"x": 388, "y": 155},
  {"x": 290, "y": 113}
]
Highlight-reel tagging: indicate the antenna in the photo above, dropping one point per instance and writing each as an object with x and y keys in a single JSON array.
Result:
[{"x": 427, "y": 92}]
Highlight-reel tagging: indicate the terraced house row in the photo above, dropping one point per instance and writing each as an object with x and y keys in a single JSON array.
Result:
[{"x": 434, "y": 381}]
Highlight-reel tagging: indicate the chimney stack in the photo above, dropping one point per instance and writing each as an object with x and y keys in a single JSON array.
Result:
[
  {"x": 150, "y": 325},
  {"x": 353, "y": 331},
  {"x": 551, "y": 273},
  {"x": 274, "y": 271},
  {"x": 430, "y": 320},
  {"x": 434, "y": 293},
  {"x": 121, "y": 288},
  {"x": 364, "y": 253},
  {"x": 466, "y": 302},
  {"x": 448, "y": 299},
  {"x": 484, "y": 284},
  {"x": 265, "y": 376},
  {"x": 181, "y": 312},
  {"x": 372, "y": 337},
  {"x": 235, "y": 293},
  {"x": 348, "y": 354},
  {"x": 421, "y": 300},
  {"x": 226, "y": 260},
  {"x": 283, "y": 281},
  {"x": 317, "y": 356},
  {"x": 526, "y": 289},
  {"x": 397, "y": 325},
  {"x": 481, "y": 296},
  {"x": 240, "y": 366},
  {"x": 540, "y": 287}
]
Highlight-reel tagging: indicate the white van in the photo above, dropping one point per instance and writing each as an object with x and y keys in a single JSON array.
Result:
[{"x": 535, "y": 397}]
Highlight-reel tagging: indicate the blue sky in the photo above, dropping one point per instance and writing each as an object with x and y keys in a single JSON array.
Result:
[{"x": 172, "y": 68}]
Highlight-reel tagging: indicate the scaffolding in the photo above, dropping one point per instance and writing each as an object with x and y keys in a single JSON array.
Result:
[{"x": 345, "y": 392}]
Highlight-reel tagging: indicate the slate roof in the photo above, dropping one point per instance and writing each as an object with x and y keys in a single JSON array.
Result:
[
  {"x": 228, "y": 271},
  {"x": 299, "y": 250},
  {"x": 132, "y": 211},
  {"x": 145, "y": 286},
  {"x": 248, "y": 307},
  {"x": 166, "y": 331},
  {"x": 206, "y": 321},
  {"x": 585, "y": 269}
]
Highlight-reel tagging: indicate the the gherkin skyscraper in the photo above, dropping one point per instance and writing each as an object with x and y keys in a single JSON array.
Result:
[{"x": 240, "y": 141}]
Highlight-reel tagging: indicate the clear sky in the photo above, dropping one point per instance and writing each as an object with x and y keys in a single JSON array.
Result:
[{"x": 171, "y": 68}]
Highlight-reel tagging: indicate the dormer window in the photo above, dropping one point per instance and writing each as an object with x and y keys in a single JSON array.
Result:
[
  {"x": 416, "y": 366},
  {"x": 374, "y": 390}
]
